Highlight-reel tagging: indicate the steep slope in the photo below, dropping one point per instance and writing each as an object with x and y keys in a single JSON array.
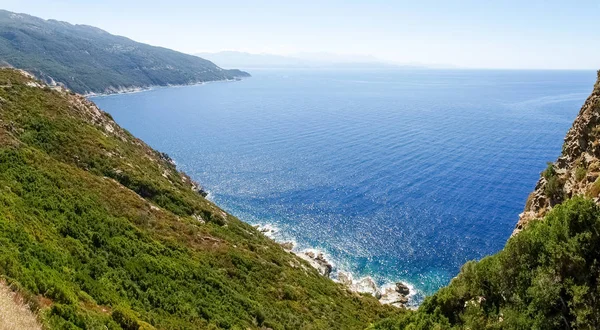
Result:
[
  {"x": 101, "y": 231},
  {"x": 548, "y": 274},
  {"x": 87, "y": 59},
  {"x": 577, "y": 170}
]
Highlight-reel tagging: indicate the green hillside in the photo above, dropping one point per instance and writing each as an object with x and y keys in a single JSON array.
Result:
[
  {"x": 99, "y": 230},
  {"x": 87, "y": 59}
]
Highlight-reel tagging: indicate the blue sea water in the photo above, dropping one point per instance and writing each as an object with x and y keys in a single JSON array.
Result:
[{"x": 400, "y": 175}]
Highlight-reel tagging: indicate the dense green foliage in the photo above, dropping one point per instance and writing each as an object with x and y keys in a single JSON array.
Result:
[
  {"x": 99, "y": 230},
  {"x": 554, "y": 185},
  {"x": 87, "y": 59},
  {"x": 547, "y": 277}
]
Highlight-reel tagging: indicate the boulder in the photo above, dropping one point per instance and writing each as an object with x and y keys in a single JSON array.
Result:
[
  {"x": 318, "y": 261},
  {"x": 402, "y": 289},
  {"x": 345, "y": 279},
  {"x": 287, "y": 245}
]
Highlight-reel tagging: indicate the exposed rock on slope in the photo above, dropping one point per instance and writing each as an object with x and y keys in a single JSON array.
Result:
[{"x": 576, "y": 171}]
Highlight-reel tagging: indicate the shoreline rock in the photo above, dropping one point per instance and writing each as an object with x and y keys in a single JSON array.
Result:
[
  {"x": 267, "y": 230},
  {"x": 318, "y": 261},
  {"x": 288, "y": 246},
  {"x": 396, "y": 294}
]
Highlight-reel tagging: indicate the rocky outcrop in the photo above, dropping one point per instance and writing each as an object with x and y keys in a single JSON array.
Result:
[
  {"x": 576, "y": 171},
  {"x": 318, "y": 261},
  {"x": 395, "y": 294}
]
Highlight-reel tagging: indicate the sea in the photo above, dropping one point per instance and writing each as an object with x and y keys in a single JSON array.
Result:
[{"x": 400, "y": 175}]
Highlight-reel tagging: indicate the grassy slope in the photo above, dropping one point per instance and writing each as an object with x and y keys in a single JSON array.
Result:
[{"x": 100, "y": 230}]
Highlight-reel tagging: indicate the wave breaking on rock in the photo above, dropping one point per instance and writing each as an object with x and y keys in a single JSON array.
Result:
[{"x": 395, "y": 293}]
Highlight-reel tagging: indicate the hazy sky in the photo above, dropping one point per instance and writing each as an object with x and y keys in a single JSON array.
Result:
[{"x": 479, "y": 34}]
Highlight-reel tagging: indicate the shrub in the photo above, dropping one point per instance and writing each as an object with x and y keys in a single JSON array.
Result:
[
  {"x": 580, "y": 173},
  {"x": 125, "y": 318},
  {"x": 549, "y": 172},
  {"x": 554, "y": 185}
]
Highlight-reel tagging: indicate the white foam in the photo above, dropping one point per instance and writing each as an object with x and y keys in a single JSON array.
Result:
[
  {"x": 386, "y": 293},
  {"x": 209, "y": 195},
  {"x": 269, "y": 230}
]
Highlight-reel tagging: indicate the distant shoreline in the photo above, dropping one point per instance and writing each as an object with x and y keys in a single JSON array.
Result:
[{"x": 139, "y": 89}]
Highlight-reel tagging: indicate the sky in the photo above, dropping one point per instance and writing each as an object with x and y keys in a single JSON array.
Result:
[{"x": 525, "y": 34}]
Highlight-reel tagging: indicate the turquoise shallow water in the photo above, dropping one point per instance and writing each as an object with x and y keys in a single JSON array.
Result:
[{"x": 400, "y": 175}]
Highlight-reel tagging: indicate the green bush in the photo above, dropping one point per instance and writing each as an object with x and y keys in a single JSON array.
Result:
[
  {"x": 580, "y": 173},
  {"x": 125, "y": 318},
  {"x": 554, "y": 185}
]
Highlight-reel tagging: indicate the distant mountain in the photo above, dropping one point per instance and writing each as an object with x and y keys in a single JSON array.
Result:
[
  {"x": 248, "y": 60},
  {"x": 300, "y": 60},
  {"x": 87, "y": 59}
]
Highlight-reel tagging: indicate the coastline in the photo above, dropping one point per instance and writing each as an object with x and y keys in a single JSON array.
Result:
[
  {"x": 397, "y": 293},
  {"x": 138, "y": 89}
]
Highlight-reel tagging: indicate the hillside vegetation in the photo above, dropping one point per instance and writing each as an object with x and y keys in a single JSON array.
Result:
[
  {"x": 87, "y": 59},
  {"x": 97, "y": 230}
]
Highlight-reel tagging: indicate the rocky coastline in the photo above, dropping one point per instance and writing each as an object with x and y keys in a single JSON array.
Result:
[
  {"x": 396, "y": 294},
  {"x": 112, "y": 90}
]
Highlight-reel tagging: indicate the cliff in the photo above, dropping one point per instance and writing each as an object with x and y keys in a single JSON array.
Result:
[
  {"x": 100, "y": 231},
  {"x": 576, "y": 172}
]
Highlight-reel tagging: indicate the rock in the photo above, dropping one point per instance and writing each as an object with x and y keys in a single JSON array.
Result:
[
  {"x": 402, "y": 289},
  {"x": 317, "y": 261},
  {"x": 390, "y": 296},
  {"x": 345, "y": 279},
  {"x": 198, "y": 189},
  {"x": 287, "y": 245},
  {"x": 267, "y": 230},
  {"x": 199, "y": 218},
  {"x": 367, "y": 285},
  {"x": 325, "y": 265},
  {"x": 395, "y": 294}
]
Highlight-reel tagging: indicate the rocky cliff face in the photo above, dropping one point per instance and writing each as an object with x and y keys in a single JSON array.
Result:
[{"x": 576, "y": 171}]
